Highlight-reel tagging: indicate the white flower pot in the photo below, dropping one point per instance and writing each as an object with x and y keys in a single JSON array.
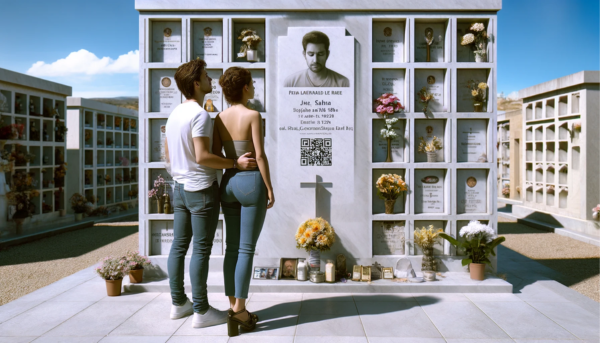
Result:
[
  {"x": 252, "y": 55},
  {"x": 480, "y": 56}
]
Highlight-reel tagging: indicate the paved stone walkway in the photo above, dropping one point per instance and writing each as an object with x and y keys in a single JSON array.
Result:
[{"x": 76, "y": 309}]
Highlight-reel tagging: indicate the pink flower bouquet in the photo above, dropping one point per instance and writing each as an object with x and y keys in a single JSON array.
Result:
[{"x": 387, "y": 104}]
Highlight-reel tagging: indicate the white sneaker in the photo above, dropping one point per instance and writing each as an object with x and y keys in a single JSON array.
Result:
[
  {"x": 182, "y": 311},
  {"x": 210, "y": 318}
]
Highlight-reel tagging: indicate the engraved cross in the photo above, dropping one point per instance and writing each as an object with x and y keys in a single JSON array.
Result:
[{"x": 319, "y": 186}]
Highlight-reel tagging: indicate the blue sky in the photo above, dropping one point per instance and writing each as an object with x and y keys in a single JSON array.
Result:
[{"x": 538, "y": 40}]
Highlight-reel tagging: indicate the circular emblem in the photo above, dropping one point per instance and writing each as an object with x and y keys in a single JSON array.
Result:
[
  {"x": 430, "y": 79},
  {"x": 429, "y": 32},
  {"x": 167, "y": 31},
  {"x": 430, "y": 179},
  {"x": 429, "y": 130},
  {"x": 166, "y": 82},
  {"x": 387, "y": 31},
  {"x": 471, "y": 181},
  {"x": 207, "y": 31},
  {"x": 163, "y": 129}
]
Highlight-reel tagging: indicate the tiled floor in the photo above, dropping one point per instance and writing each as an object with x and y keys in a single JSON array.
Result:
[{"x": 76, "y": 309}]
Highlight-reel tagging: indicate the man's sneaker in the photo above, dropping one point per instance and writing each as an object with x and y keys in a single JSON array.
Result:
[
  {"x": 182, "y": 311},
  {"x": 210, "y": 318}
]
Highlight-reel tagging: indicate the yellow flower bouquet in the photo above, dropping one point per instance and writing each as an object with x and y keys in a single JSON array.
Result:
[
  {"x": 314, "y": 236},
  {"x": 390, "y": 186},
  {"x": 425, "y": 238}
]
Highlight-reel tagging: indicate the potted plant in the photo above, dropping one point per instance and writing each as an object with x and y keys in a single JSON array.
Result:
[
  {"x": 78, "y": 205},
  {"x": 250, "y": 40},
  {"x": 425, "y": 238},
  {"x": 479, "y": 242},
  {"x": 424, "y": 98},
  {"x": 112, "y": 270},
  {"x": 430, "y": 148},
  {"x": 315, "y": 235},
  {"x": 477, "y": 39},
  {"x": 136, "y": 266},
  {"x": 21, "y": 192},
  {"x": 158, "y": 193},
  {"x": 389, "y": 133},
  {"x": 390, "y": 188}
]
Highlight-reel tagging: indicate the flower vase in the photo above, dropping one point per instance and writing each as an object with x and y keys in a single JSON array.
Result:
[
  {"x": 389, "y": 150},
  {"x": 428, "y": 262},
  {"x": 314, "y": 260},
  {"x": 478, "y": 107},
  {"x": 160, "y": 205},
  {"x": 389, "y": 206},
  {"x": 480, "y": 56},
  {"x": 19, "y": 225},
  {"x": 432, "y": 157},
  {"x": 252, "y": 55}
]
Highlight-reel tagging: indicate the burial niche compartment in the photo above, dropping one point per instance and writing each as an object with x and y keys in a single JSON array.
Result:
[
  {"x": 575, "y": 103},
  {"x": 472, "y": 140},
  {"x": 550, "y": 108},
  {"x": 550, "y": 151},
  {"x": 389, "y": 238},
  {"x": 469, "y": 81},
  {"x": 465, "y": 53},
  {"x": 562, "y": 198},
  {"x": 539, "y": 133},
  {"x": 20, "y": 103},
  {"x": 539, "y": 152},
  {"x": 34, "y": 105},
  {"x": 471, "y": 191},
  {"x": 550, "y": 195},
  {"x": 153, "y": 175},
  {"x": 529, "y": 134},
  {"x": 389, "y": 81},
  {"x": 388, "y": 40},
  {"x": 213, "y": 101},
  {"x": 430, "y": 40},
  {"x": 165, "y": 41},
  {"x": 563, "y": 175},
  {"x": 430, "y": 129},
  {"x": 563, "y": 132},
  {"x": 529, "y": 193},
  {"x": 538, "y": 110},
  {"x": 529, "y": 152},
  {"x": 562, "y": 151},
  {"x": 550, "y": 132},
  {"x": 88, "y": 158},
  {"x": 157, "y": 139},
  {"x": 562, "y": 106},
  {"x": 378, "y": 203},
  {"x": 550, "y": 173},
  {"x": 529, "y": 112},
  {"x": 258, "y": 103},
  {"x": 539, "y": 173},
  {"x": 397, "y": 145},
  {"x": 429, "y": 187},
  {"x": 100, "y": 161},
  {"x": 5, "y": 101},
  {"x": 207, "y": 40},
  {"x": 164, "y": 94},
  {"x": 242, "y": 52},
  {"x": 435, "y": 82},
  {"x": 539, "y": 194},
  {"x": 100, "y": 173},
  {"x": 438, "y": 247},
  {"x": 37, "y": 158}
]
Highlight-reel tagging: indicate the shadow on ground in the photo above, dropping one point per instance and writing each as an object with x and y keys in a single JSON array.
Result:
[{"x": 65, "y": 245}]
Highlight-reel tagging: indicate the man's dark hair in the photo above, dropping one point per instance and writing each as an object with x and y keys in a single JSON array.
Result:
[
  {"x": 315, "y": 37},
  {"x": 186, "y": 74}
]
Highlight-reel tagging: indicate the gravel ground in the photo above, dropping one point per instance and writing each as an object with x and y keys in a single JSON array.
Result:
[
  {"x": 578, "y": 261},
  {"x": 27, "y": 267}
]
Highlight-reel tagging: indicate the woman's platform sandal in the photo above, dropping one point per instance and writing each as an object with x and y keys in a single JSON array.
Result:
[{"x": 233, "y": 324}]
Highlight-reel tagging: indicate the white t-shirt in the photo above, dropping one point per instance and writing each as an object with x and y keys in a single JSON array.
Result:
[{"x": 187, "y": 121}]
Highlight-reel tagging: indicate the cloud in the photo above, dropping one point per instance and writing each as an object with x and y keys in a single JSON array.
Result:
[
  {"x": 87, "y": 63},
  {"x": 514, "y": 95}
]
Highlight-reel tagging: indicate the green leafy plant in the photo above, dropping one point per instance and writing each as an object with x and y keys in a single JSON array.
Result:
[{"x": 479, "y": 242}]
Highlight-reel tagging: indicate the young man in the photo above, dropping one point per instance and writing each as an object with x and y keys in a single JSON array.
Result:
[{"x": 188, "y": 147}]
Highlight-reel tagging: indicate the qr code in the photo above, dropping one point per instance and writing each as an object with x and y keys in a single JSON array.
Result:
[{"x": 315, "y": 151}]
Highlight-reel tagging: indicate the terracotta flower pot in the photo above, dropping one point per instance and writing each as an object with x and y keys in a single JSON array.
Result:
[
  {"x": 136, "y": 276},
  {"x": 389, "y": 206},
  {"x": 113, "y": 287},
  {"x": 477, "y": 271}
]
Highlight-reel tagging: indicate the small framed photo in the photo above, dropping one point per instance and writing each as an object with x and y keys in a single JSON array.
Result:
[
  {"x": 366, "y": 274},
  {"x": 388, "y": 272},
  {"x": 266, "y": 273},
  {"x": 288, "y": 268},
  {"x": 356, "y": 271}
]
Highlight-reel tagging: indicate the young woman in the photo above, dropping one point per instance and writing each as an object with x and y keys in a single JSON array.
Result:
[{"x": 245, "y": 195}]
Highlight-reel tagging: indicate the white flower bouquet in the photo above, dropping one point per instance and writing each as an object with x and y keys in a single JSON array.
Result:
[
  {"x": 389, "y": 132},
  {"x": 479, "y": 242}
]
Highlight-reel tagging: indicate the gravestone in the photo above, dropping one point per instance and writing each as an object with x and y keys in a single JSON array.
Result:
[
  {"x": 471, "y": 191},
  {"x": 436, "y": 49},
  {"x": 388, "y": 41},
  {"x": 238, "y": 26},
  {"x": 165, "y": 94},
  {"x": 388, "y": 238},
  {"x": 429, "y": 191},
  {"x": 380, "y": 144},
  {"x": 471, "y": 139},
  {"x": 158, "y": 133},
  {"x": 388, "y": 81},
  {"x": 166, "y": 41},
  {"x": 433, "y": 80},
  {"x": 208, "y": 41},
  {"x": 464, "y": 97},
  {"x": 438, "y": 247},
  {"x": 378, "y": 203},
  {"x": 216, "y": 96},
  {"x": 259, "y": 101},
  {"x": 428, "y": 129},
  {"x": 161, "y": 233}
]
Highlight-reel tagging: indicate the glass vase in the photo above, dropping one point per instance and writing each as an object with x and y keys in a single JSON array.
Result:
[{"x": 314, "y": 260}]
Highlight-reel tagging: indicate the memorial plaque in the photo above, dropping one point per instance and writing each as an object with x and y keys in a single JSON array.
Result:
[
  {"x": 438, "y": 248},
  {"x": 158, "y": 133},
  {"x": 429, "y": 190},
  {"x": 216, "y": 96},
  {"x": 433, "y": 80},
  {"x": 259, "y": 101},
  {"x": 428, "y": 128},
  {"x": 436, "y": 49},
  {"x": 237, "y": 43},
  {"x": 165, "y": 94},
  {"x": 208, "y": 41},
  {"x": 161, "y": 238},
  {"x": 388, "y": 81},
  {"x": 166, "y": 41},
  {"x": 378, "y": 203},
  {"x": 388, "y": 238},
  {"x": 380, "y": 144},
  {"x": 388, "y": 41},
  {"x": 465, "y": 99},
  {"x": 471, "y": 191},
  {"x": 471, "y": 140}
]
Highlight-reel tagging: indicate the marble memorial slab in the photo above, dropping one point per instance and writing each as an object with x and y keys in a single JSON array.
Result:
[
  {"x": 464, "y": 97},
  {"x": 438, "y": 248},
  {"x": 388, "y": 238},
  {"x": 237, "y": 43},
  {"x": 464, "y": 53},
  {"x": 259, "y": 101},
  {"x": 436, "y": 48},
  {"x": 471, "y": 140},
  {"x": 428, "y": 128},
  {"x": 388, "y": 81},
  {"x": 165, "y": 94},
  {"x": 157, "y": 140},
  {"x": 166, "y": 41},
  {"x": 208, "y": 41},
  {"x": 379, "y": 204},
  {"x": 380, "y": 144},
  {"x": 471, "y": 191},
  {"x": 216, "y": 96},
  {"x": 169, "y": 185},
  {"x": 161, "y": 238},
  {"x": 429, "y": 190},
  {"x": 433, "y": 80},
  {"x": 388, "y": 41}
]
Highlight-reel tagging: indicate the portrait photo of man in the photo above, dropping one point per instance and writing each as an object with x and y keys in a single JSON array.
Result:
[
  {"x": 288, "y": 268},
  {"x": 316, "y": 52}
]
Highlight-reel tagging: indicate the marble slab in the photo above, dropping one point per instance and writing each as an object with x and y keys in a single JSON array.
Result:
[
  {"x": 436, "y": 48},
  {"x": 216, "y": 96},
  {"x": 389, "y": 238},
  {"x": 429, "y": 190},
  {"x": 438, "y": 247},
  {"x": 208, "y": 41},
  {"x": 471, "y": 139},
  {"x": 464, "y": 98},
  {"x": 165, "y": 95},
  {"x": 428, "y": 128},
  {"x": 388, "y": 41},
  {"x": 379, "y": 204},
  {"x": 161, "y": 238},
  {"x": 238, "y": 26},
  {"x": 388, "y": 81},
  {"x": 158, "y": 134},
  {"x": 433, "y": 80},
  {"x": 166, "y": 41},
  {"x": 380, "y": 145},
  {"x": 471, "y": 191}
]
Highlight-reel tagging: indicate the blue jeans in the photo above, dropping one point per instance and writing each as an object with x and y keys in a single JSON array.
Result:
[
  {"x": 244, "y": 202},
  {"x": 196, "y": 217}
]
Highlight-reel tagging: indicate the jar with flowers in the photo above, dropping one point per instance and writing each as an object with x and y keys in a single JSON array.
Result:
[
  {"x": 157, "y": 192},
  {"x": 389, "y": 188},
  {"x": 315, "y": 235},
  {"x": 477, "y": 38}
]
